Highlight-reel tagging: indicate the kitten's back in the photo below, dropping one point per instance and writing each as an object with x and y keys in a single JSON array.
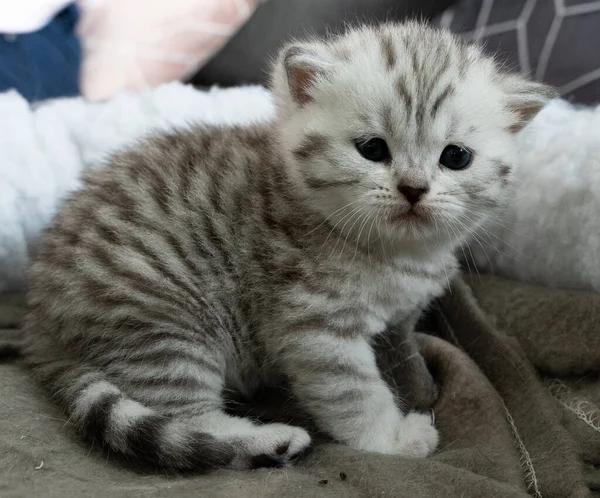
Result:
[{"x": 133, "y": 293}]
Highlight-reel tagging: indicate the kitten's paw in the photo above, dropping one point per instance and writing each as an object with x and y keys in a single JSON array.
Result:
[
  {"x": 416, "y": 437},
  {"x": 275, "y": 445}
]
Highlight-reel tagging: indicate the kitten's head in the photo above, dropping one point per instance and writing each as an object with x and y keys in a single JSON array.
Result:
[{"x": 401, "y": 131}]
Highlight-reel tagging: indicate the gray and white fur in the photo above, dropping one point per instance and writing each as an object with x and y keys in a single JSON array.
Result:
[{"x": 222, "y": 259}]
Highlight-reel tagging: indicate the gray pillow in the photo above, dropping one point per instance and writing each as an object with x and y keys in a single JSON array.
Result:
[
  {"x": 247, "y": 56},
  {"x": 555, "y": 41}
]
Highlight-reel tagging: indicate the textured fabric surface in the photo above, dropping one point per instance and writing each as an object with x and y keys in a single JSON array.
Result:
[
  {"x": 555, "y": 41},
  {"x": 507, "y": 430},
  {"x": 549, "y": 233},
  {"x": 26, "y": 16},
  {"x": 43, "y": 64}
]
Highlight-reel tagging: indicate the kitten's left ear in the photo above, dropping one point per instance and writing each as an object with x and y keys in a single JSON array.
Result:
[{"x": 525, "y": 98}]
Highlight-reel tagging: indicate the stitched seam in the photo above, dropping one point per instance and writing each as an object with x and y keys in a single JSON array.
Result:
[{"x": 529, "y": 474}]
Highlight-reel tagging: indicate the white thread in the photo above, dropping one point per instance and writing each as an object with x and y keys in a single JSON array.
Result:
[
  {"x": 529, "y": 474},
  {"x": 581, "y": 408}
]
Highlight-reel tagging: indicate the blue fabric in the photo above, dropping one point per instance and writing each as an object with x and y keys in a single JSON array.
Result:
[{"x": 43, "y": 64}]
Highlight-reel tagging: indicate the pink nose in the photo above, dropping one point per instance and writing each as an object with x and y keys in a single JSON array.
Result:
[{"x": 412, "y": 194}]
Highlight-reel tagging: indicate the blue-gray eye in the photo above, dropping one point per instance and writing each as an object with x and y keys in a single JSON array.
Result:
[
  {"x": 455, "y": 157},
  {"x": 374, "y": 149}
]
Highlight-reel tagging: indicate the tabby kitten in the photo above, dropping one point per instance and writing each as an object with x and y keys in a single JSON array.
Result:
[{"x": 226, "y": 259}]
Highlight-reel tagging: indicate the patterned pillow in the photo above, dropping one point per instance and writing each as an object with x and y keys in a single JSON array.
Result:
[
  {"x": 136, "y": 44},
  {"x": 555, "y": 41}
]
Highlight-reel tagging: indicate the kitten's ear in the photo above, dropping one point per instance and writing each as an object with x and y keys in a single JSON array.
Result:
[
  {"x": 303, "y": 65},
  {"x": 525, "y": 98}
]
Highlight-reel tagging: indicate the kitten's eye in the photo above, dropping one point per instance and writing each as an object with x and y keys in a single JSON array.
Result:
[
  {"x": 455, "y": 157},
  {"x": 374, "y": 149}
]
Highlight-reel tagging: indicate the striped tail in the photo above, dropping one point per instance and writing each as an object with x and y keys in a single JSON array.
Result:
[
  {"x": 10, "y": 350},
  {"x": 101, "y": 412}
]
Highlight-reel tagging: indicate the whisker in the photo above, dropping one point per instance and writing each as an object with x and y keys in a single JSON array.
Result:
[
  {"x": 471, "y": 231},
  {"x": 383, "y": 251},
  {"x": 332, "y": 214},
  {"x": 492, "y": 234},
  {"x": 360, "y": 230},
  {"x": 443, "y": 262},
  {"x": 360, "y": 217},
  {"x": 357, "y": 211},
  {"x": 495, "y": 220},
  {"x": 369, "y": 236},
  {"x": 347, "y": 216},
  {"x": 495, "y": 248},
  {"x": 464, "y": 190},
  {"x": 461, "y": 245}
]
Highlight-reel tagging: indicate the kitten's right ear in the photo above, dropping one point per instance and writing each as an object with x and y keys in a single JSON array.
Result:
[
  {"x": 303, "y": 66},
  {"x": 525, "y": 98}
]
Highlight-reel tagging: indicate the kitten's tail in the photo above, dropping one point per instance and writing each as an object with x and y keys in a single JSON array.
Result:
[
  {"x": 10, "y": 350},
  {"x": 101, "y": 412}
]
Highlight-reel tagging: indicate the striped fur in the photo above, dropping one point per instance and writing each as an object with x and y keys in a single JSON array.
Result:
[{"x": 209, "y": 260}]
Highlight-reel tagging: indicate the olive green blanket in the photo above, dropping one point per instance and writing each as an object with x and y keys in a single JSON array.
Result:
[{"x": 518, "y": 412}]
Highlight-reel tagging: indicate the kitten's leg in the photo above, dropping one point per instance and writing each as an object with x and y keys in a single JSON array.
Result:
[
  {"x": 187, "y": 386},
  {"x": 159, "y": 400},
  {"x": 404, "y": 368},
  {"x": 338, "y": 381},
  {"x": 256, "y": 445}
]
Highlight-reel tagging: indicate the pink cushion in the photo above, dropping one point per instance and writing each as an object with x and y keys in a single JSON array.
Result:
[{"x": 136, "y": 44}]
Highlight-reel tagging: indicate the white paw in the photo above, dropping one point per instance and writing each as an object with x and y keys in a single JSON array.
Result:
[
  {"x": 274, "y": 445},
  {"x": 416, "y": 436}
]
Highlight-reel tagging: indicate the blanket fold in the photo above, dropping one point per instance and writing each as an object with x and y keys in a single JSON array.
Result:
[{"x": 548, "y": 453}]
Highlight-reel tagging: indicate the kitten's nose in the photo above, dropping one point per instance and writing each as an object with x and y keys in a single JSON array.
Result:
[{"x": 412, "y": 194}]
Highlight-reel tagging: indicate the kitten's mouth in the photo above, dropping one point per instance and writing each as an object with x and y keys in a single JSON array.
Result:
[{"x": 414, "y": 214}]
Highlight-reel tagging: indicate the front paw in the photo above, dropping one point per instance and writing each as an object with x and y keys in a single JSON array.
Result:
[{"x": 416, "y": 436}]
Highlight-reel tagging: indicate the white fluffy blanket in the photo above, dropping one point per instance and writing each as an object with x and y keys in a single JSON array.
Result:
[
  {"x": 44, "y": 150},
  {"x": 550, "y": 235}
]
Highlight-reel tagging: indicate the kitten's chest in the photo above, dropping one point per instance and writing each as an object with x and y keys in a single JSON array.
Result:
[{"x": 392, "y": 295}]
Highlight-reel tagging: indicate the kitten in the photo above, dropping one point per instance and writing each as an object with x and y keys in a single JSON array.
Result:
[{"x": 213, "y": 259}]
